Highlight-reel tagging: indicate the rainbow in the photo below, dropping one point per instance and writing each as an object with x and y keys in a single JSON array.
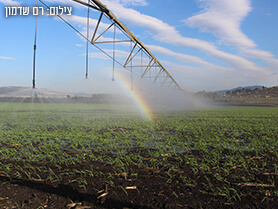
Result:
[{"x": 136, "y": 96}]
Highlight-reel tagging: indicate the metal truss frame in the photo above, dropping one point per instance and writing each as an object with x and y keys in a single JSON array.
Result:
[{"x": 153, "y": 69}]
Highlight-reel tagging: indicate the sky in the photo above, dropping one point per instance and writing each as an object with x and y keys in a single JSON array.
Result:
[{"x": 204, "y": 44}]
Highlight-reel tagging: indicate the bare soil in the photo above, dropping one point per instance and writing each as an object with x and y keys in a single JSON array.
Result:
[{"x": 149, "y": 188}]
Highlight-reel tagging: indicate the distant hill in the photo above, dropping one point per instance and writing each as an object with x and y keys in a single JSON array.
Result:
[
  {"x": 239, "y": 88},
  {"x": 271, "y": 92},
  {"x": 23, "y": 92},
  {"x": 9, "y": 89},
  {"x": 243, "y": 96}
]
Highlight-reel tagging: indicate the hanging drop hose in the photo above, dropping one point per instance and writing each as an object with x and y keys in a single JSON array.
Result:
[
  {"x": 35, "y": 49},
  {"x": 113, "y": 74},
  {"x": 87, "y": 49},
  {"x": 131, "y": 77}
]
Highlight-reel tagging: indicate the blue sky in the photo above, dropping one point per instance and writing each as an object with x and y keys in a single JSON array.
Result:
[{"x": 204, "y": 44}]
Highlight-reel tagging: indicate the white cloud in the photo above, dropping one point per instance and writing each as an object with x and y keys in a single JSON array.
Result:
[
  {"x": 240, "y": 69},
  {"x": 119, "y": 53},
  {"x": 63, "y": 2},
  {"x": 223, "y": 19},
  {"x": 183, "y": 57},
  {"x": 199, "y": 78},
  {"x": 133, "y": 2},
  {"x": 75, "y": 4},
  {"x": 164, "y": 33},
  {"x": 168, "y": 34},
  {"x": 272, "y": 69},
  {"x": 82, "y": 23},
  {"x": 7, "y": 58},
  {"x": 98, "y": 55},
  {"x": 120, "y": 56},
  {"x": 256, "y": 53},
  {"x": 10, "y": 3},
  {"x": 210, "y": 78}
]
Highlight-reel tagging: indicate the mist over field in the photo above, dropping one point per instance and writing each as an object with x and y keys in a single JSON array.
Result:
[{"x": 162, "y": 98}]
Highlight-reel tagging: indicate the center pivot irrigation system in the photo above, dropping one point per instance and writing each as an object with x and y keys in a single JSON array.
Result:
[{"x": 130, "y": 54}]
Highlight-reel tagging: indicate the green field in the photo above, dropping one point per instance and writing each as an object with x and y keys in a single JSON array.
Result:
[
  {"x": 229, "y": 148},
  {"x": 43, "y": 131}
]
